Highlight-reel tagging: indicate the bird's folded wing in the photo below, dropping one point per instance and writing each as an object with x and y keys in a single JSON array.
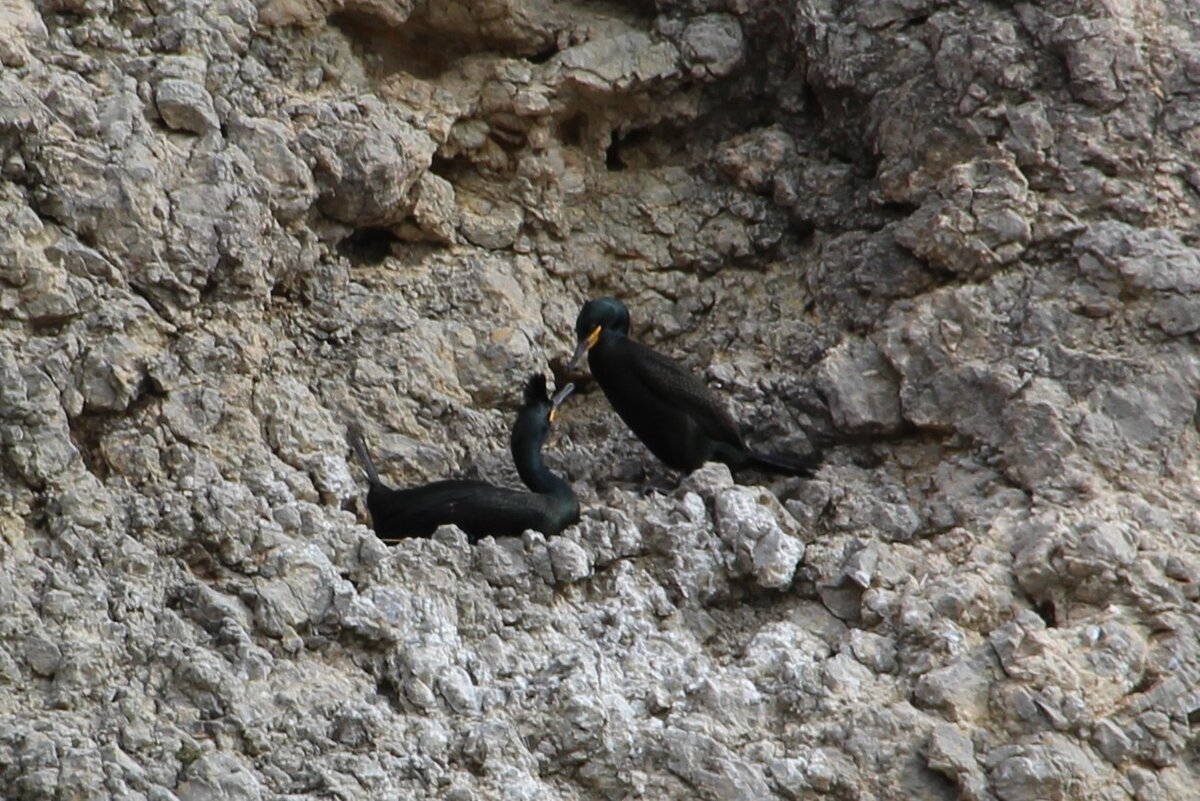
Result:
[
  {"x": 478, "y": 506},
  {"x": 672, "y": 384}
]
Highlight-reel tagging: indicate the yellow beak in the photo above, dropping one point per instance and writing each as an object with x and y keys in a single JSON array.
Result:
[
  {"x": 584, "y": 346},
  {"x": 558, "y": 398}
]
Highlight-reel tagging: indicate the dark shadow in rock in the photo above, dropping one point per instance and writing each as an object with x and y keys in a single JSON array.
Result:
[
  {"x": 368, "y": 246},
  {"x": 1047, "y": 612},
  {"x": 411, "y": 48},
  {"x": 425, "y": 50},
  {"x": 646, "y": 148}
]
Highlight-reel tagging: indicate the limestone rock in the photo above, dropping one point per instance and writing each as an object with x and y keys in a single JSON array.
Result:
[
  {"x": 366, "y": 172},
  {"x": 622, "y": 62},
  {"x": 861, "y": 387},
  {"x": 953, "y": 243},
  {"x": 981, "y": 220},
  {"x": 761, "y": 535},
  {"x": 185, "y": 105},
  {"x": 712, "y": 45}
]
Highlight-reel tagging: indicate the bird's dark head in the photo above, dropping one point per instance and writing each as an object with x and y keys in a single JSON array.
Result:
[
  {"x": 597, "y": 316},
  {"x": 538, "y": 411}
]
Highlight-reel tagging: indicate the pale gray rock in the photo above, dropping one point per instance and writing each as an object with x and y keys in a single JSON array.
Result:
[
  {"x": 711, "y": 46},
  {"x": 502, "y": 563},
  {"x": 20, "y": 27},
  {"x": 1144, "y": 259},
  {"x": 490, "y": 224},
  {"x": 40, "y": 291},
  {"x": 979, "y": 221},
  {"x": 459, "y": 691},
  {"x": 860, "y": 566},
  {"x": 192, "y": 413},
  {"x": 366, "y": 172},
  {"x": 81, "y": 772},
  {"x": 1110, "y": 739},
  {"x": 435, "y": 212},
  {"x": 269, "y": 143},
  {"x": 569, "y": 560},
  {"x": 886, "y": 510},
  {"x": 827, "y": 770},
  {"x": 1176, "y": 316},
  {"x": 761, "y": 535},
  {"x": 960, "y": 690},
  {"x": 812, "y": 501},
  {"x": 951, "y": 753},
  {"x": 111, "y": 374},
  {"x": 953, "y": 243},
  {"x": 863, "y": 393},
  {"x": 42, "y": 655},
  {"x": 219, "y": 776},
  {"x": 709, "y": 480},
  {"x": 609, "y": 534},
  {"x": 775, "y": 558},
  {"x": 712, "y": 768},
  {"x": 185, "y": 105},
  {"x": 620, "y": 63},
  {"x": 876, "y": 652},
  {"x": 1052, "y": 769}
]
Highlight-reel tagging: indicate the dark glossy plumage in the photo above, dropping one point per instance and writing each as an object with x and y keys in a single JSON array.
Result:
[
  {"x": 671, "y": 410},
  {"x": 477, "y": 507}
]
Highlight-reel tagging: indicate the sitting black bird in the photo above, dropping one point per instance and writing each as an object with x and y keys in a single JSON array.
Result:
[
  {"x": 477, "y": 507},
  {"x": 669, "y": 409}
]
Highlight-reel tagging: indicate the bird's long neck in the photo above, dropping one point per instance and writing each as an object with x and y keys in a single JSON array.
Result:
[{"x": 534, "y": 473}]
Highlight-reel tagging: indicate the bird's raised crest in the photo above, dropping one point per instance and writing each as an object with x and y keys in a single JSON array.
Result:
[{"x": 535, "y": 389}]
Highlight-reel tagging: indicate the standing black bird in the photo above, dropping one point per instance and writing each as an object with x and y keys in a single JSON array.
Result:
[
  {"x": 672, "y": 411},
  {"x": 477, "y": 507}
]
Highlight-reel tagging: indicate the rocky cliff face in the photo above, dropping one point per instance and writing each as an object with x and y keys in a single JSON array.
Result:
[{"x": 958, "y": 240}]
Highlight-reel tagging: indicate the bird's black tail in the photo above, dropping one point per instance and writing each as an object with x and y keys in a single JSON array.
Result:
[
  {"x": 786, "y": 464},
  {"x": 354, "y": 434}
]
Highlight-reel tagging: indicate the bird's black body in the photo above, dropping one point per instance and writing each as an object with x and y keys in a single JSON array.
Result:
[
  {"x": 671, "y": 411},
  {"x": 477, "y": 507}
]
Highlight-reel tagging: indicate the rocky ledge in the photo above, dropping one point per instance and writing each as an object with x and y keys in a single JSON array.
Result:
[{"x": 954, "y": 242}]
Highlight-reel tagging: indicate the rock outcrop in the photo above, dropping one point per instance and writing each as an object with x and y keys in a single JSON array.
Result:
[{"x": 958, "y": 243}]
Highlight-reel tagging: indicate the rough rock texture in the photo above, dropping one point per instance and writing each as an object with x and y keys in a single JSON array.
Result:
[{"x": 957, "y": 241}]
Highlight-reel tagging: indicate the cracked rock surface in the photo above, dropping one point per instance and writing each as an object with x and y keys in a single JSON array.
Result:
[{"x": 956, "y": 244}]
